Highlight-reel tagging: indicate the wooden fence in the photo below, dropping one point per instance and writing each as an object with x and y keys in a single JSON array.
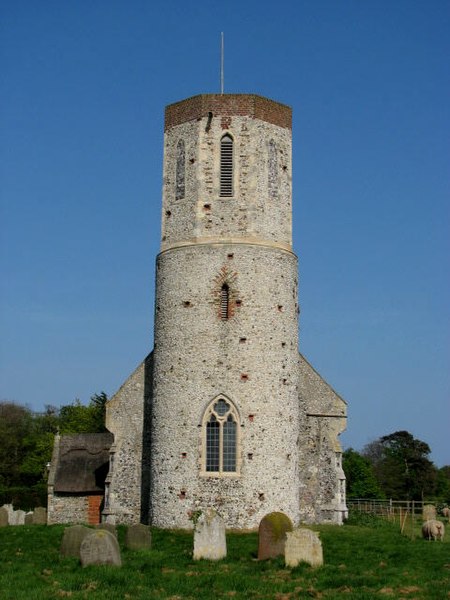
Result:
[{"x": 407, "y": 513}]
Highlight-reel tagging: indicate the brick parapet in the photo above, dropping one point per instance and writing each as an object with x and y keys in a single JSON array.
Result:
[{"x": 232, "y": 105}]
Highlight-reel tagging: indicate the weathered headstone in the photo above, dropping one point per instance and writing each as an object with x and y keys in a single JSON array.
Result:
[
  {"x": 40, "y": 516},
  {"x": 4, "y": 517},
  {"x": 10, "y": 512},
  {"x": 303, "y": 545},
  {"x": 272, "y": 535},
  {"x": 108, "y": 527},
  {"x": 100, "y": 548},
  {"x": 428, "y": 512},
  {"x": 209, "y": 536},
  {"x": 29, "y": 518},
  {"x": 138, "y": 537},
  {"x": 18, "y": 517},
  {"x": 72, "y": 539}
]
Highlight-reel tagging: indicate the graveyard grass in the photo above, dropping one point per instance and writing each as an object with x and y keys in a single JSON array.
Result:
[{"x": 365, "y": 560}]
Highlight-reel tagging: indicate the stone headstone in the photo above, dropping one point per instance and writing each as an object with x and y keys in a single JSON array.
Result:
[
  {"x": 18, "y": 517},
  {"x": 303, "y": 545},
  {"x": 272, "y": 535},
  {"x": 10, "y": 512},
  {"x": 72, "y": 539},
  {"x": 138, "y": 537},
  {"x": 428, "y": 512},
  {"x": 29, "y": 518},
  {"x": 4, "y": 517},
  {"x": 108, "y": 527},
  {"x": 100, "y": 548},
  {"x": 40, "y": 516},
  {"x": 209, "y": 536}
]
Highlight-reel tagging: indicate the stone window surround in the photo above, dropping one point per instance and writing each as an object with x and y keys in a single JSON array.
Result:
[{"x": 205, "y": 420}]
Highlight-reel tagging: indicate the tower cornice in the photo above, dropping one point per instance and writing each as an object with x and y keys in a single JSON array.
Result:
[{"x": 252, "y": 105}]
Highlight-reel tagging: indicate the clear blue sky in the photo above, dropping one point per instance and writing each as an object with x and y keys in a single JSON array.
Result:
[{"x": 83, "y": 90}]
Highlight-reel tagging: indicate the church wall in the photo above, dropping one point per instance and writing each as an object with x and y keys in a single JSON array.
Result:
[
  {"x": 322, "y": 480},
  {"x": 251, "y": 358},
  {"x": 67, "y": 509},
  {"x": 125, "y": 418}
]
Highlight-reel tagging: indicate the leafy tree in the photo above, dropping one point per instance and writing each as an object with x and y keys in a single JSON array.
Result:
[
  {"x": 79, "y": 418},
  {"x": 402, "y": 466},
  {"x": 443, "y": 484},
  {"x": 38, "y": 444},
  {"x": 15, "y": 426},
  {"x": 26, "y": 438},
  {"x": 361, "y": 480}
]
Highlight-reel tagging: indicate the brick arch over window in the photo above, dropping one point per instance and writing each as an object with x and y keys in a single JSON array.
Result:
[
  {"x": 220, "y": 438},
  {"x": 226, "y": 165},
  {"x": 180, "y": 177}
]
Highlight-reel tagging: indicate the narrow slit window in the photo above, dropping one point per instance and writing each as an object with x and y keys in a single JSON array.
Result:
[
  {"x": 225, "y": 302},
  {"x": 226, "y": 166},
  {"x": 273, "y": 170},
  {"x": 181, "y": 171}
]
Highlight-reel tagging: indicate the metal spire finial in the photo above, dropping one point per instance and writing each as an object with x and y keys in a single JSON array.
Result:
[{"x": 221, "y": 63}]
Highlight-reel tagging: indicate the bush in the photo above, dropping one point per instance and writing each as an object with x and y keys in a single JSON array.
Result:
[{"x": 24, "y": 498}]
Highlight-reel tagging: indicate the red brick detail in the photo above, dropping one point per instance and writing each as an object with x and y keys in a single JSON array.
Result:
[
  {"x": 228, "y": 105},
  {"x": 94, "y": 504}
]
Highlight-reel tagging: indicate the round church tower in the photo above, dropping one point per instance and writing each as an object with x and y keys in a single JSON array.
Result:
[{"x": 225, "y": 408}]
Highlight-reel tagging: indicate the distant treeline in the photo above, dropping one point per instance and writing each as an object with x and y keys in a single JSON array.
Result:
[
  {"x": 26, "y": 444},
  {"x": 396, "y": 466}
]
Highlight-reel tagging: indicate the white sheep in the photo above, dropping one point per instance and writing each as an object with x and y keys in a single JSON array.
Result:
[
  {"x": 446, "y": 512},
  {"x": 433, "y": 529}
]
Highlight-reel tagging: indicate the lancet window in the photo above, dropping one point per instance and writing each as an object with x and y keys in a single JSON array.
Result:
[
  {"x": 180, "y": 178},
  {"x": 226, "y": 166},
  {"x": 220, "y": 437},
  {"x": 272, "y": 182}
]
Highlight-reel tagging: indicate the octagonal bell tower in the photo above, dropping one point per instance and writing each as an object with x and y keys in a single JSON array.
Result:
[{"x": 225, "y": 407}]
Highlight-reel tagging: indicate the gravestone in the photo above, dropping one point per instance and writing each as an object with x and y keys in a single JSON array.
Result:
[
  {"x": 303, "y": 545},
  {"x": 40, "y": 516},
  {"x": 209, "y": 536},
  {"x": 10, "y": 512},
  {"x": 272, "y": 535},
  {"x": 108, "y": 527},
  {"x": 72, "y": 539},
  {"x": 100, "y": 548},
  {"x": 428, "y": 512},
  {"x": 4, "y": 517},
  {"x": 138, "y": 537},
  {"x": 29, "y": 518},
  {"x": 18, "y": 517}
]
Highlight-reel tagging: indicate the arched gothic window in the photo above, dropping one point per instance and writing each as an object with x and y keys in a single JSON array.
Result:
[
  {"x": 272, "y": 183},
  {"x": 226, "y": 166},
  {"x": 180, "y": 171},
  {"x": 220, "y": 437}
]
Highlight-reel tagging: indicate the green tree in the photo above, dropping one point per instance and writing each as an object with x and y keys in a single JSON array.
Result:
[
  {"x": 443, "y": 484},
  {"x": 402, "y": 467},
  {"x": 15, "y": 426},
  {"x": 38, "y": 445},
  {"x": 80, "y": 418},
  {"x": 361, "y": 480}
]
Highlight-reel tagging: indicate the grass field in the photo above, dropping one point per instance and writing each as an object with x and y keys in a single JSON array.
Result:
[{"x": 367, "y": 560}]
